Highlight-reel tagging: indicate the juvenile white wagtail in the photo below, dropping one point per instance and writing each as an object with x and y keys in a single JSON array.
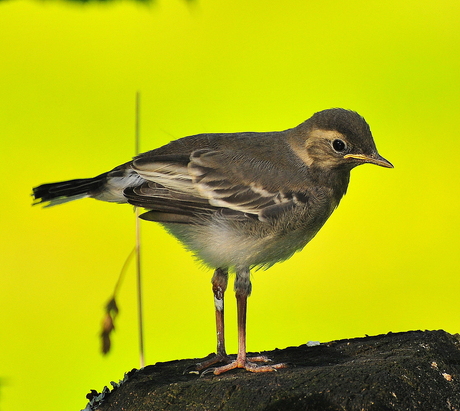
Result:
[{"x": 239, "y": 200}]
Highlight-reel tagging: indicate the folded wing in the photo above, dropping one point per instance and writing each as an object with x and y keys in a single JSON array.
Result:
[{"x": 180, "y": 188}]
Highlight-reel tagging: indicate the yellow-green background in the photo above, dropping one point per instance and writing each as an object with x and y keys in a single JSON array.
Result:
[{"x": 387, "y": 260}]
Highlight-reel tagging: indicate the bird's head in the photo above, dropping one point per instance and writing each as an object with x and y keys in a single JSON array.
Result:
[{"x": 336, "y": 138}]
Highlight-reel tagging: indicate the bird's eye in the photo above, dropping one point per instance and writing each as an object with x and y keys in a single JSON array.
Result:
[{"x": 339, "y": 145}]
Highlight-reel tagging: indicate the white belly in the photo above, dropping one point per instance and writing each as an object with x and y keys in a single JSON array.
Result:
[{"x": 226, "y": 243}]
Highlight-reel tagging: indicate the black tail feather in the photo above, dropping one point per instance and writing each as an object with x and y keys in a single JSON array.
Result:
[{"x": 63, "y": 191}]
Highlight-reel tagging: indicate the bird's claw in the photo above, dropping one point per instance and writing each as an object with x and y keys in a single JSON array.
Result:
[
  {"x": 248, "y": 366},
  {"x": 230, "y": 364},
  {"x": 204, "y": 365}
]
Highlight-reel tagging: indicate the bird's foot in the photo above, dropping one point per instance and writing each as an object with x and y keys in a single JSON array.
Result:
[
  {"x": 248, "y": 364},
  {"x": 203, "y": 365},
  {"x": 218, "y": 358}
]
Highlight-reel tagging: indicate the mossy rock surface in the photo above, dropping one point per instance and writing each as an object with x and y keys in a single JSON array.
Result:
[{"x": 416, "y": 370}]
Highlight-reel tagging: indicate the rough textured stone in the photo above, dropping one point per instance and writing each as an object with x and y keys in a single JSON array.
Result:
[{"x": 417, "y": 370}]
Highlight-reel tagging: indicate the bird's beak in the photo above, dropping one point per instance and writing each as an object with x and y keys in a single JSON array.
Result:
[{"x": 376, "y": 159}]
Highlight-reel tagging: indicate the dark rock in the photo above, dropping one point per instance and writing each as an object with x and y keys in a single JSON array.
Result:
[{"x": 398, "y": 371}]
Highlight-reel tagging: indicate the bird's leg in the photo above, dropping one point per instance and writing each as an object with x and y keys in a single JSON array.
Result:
[
  {"x": 243, "y": 290},
  {"x": 242, "y": 294},
  {"x": 219, "y": 285}
]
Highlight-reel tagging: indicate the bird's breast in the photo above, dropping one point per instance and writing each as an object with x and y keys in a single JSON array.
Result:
[{"x": 223, "y": 242}]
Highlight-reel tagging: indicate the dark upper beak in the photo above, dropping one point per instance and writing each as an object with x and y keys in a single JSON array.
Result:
[{"x": 376, "y": 159}]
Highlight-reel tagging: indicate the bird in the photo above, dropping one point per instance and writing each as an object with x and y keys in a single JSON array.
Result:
[{"x": 238, "y": 201}]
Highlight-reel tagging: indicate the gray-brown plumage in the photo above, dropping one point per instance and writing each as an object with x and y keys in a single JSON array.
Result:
[{"x": 239, "y": 200}]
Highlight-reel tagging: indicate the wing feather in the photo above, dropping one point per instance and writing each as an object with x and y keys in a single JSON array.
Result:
[{"x": 201, "y": 184}]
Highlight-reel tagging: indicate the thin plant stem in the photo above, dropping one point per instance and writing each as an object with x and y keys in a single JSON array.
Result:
[{"x": 138, "y": 248}]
